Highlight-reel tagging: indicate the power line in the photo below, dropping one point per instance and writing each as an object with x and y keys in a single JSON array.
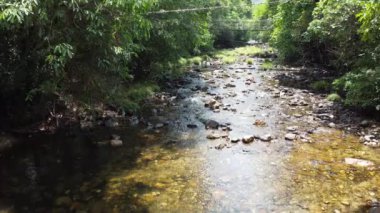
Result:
[
  {"x": 187, "y": 10},
  {"x": 211, "y": 8}
]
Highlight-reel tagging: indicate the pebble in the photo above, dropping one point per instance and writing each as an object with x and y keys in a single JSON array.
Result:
[
  {"x": 266, "y": 138},
  {"x": 213, "y": 136},
  {"x": 235, "y": 140},
  {"x": 292, "y": 128},
  {"x": 248, "y": 139},
  {"x": 290, "y": 137},
  {"x": 332, "y": 125}
]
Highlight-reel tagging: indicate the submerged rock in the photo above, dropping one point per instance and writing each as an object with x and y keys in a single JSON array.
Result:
[
  {"x": 260, "y": 123},
  {"x": 358, "y": 162}
]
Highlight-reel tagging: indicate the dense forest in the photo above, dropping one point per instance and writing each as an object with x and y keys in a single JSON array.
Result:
[
  {"x": 117, "y": 52},
  {"x": 91, "y": 52}
]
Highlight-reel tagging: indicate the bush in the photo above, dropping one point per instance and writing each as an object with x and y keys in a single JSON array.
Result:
[
  {"x": 334, "y": 97},
  {"x": 321, "y": 86},
  {"x": 267, "y": 65},
  {"x": 196, "y": 60},
  {"x": 361, "y": 88}
]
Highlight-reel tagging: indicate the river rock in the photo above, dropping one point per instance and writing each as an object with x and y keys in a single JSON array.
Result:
[
  {"x": 365, "y": 123},
  {"x": 211, "y": 124},
  {"x": 248, "y": 139},
  {"x": 368, "y": 138},
  {"x": 116, "y": 143},
  {"x": 213, "y": 136},
  {"x": 358, "y": 162},
  {"x": 290, "y": 137},
  {"x": 213, "y": 104},
  {"x": 235, "y": 140},
  {"x": 292, "y": 128},
  {"x": 266, "y": 138},
  {"x": 221, "y": 146},
  {"x": 192, "y": 126},
  {"x": 210, "y": 103},
  {"x": 230, "y": 85}
]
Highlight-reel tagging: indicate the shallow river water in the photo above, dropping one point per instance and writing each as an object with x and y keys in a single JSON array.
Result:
[{"x": 178, "y": 169}]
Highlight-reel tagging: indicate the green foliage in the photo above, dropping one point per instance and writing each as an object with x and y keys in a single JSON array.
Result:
[
  {"x": 321, "y": 86},
  {"x": 230, "y": 56},
  {"x": 290, "y": 23},
  {"x": 261, "y": 21},
  {"x": 361, "y": 87},
  {"x": 249, "y": 61},
  {"x": 131, "y": 97},
  {"x": 369, "y": 31},
  {"x": 229, "y": 26},
  {"x": 196, "y": 60},
  {"x": 334, "y": 97},
  {"x": 93, "y": 51},
  {"x": 267, "y": 65},
  {"x": 343, "y": 35},
  {"x": 334, "y": 31}
]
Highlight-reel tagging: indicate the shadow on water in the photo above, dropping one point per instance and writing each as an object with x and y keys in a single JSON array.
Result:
[
  {"x": 48, "y": 167},
  {"x": 60, "y": 173}
]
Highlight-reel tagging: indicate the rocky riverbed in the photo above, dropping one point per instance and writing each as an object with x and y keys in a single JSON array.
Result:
[{"x": 225, "y": 138}]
